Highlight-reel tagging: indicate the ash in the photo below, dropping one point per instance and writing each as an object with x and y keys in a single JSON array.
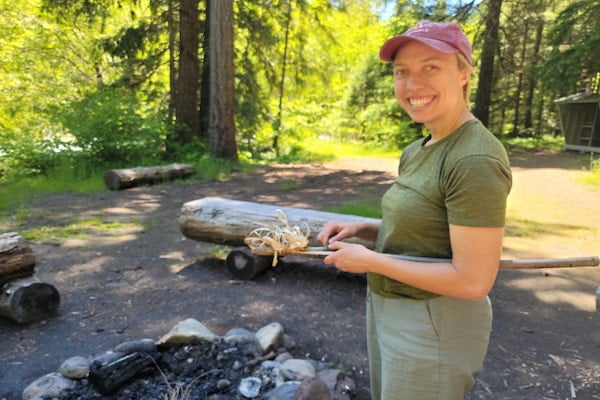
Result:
[{"x": 198, "y": 370}]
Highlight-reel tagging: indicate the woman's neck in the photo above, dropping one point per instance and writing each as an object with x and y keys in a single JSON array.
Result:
[{"x": 445, "y": 128}]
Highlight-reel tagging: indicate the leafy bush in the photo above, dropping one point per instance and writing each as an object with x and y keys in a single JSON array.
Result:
[{"x": 111, "y": 127}]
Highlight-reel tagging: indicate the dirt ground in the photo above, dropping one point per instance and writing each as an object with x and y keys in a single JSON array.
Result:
[{"x": 136, "y": 283}]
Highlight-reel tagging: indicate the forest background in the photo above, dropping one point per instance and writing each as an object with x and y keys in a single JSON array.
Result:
[{"x": 87, "y": 85}]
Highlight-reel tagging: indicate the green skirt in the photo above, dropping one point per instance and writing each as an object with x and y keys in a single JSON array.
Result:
[{"x": 425, "y": 349}]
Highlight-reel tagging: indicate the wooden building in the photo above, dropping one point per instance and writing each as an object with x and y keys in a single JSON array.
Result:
[{"x": 580, "y": 121}]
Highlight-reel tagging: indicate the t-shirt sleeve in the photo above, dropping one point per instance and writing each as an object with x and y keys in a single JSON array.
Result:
[{"x": 476, "y": 190}]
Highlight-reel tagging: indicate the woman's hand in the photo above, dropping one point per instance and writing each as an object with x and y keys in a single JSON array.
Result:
[
  {"x": 350, "y": 257},
  {"x": 336, "y": 231}
]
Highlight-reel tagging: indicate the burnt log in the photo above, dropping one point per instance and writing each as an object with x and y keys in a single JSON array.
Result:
[
  {"x": 28, "y": 300},
  {"x": 16, "y": 257},
  {"x": 118, "y": 179},
  {"x": 244, "y": 265},
  {"x": 223, "y": 221},
  {"x": 107, "y": 378}
]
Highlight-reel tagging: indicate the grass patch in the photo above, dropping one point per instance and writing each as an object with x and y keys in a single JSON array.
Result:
[
  {"x": 288, "y": 184},
  {"x": 80, "y": 229},
  {"x": 336, "y": 150},
  {"x": 362, "y": 209},
  {"x": 524, "y": 228},
  {"x": 532, "y": 143},
  {"x": 594, "y": 175},
  {"x": 15, "y": 194}
]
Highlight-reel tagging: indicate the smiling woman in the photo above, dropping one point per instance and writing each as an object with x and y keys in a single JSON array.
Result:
[{"x": 428, "y": 324}]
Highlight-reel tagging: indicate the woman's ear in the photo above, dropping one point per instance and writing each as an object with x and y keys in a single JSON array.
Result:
[{"x": 465, "y": 76}]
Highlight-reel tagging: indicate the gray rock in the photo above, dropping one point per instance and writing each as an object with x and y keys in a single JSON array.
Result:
[
  {"x": 330, "y": 377},
  {"x": 283, "y": 357},
  {"x": 239, "y": 332},
  {"x": 223, "y": 383},
  {"x": 75, "y": 367},
  {"x": 186, "y": 331},
  {"x": 140, "y": 346},
  {"x": 270, "y": 337},
  {"x": 50, "y": 385},
  {"x": 272, "y": 371},
  {"x": 297, "y": 370},
  {"x": 250, "y": 387},
  {"x": 312, "y": 389},
  {"x": 285, "y": 391}
]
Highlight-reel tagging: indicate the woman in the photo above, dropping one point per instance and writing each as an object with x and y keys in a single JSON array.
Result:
[{"x": 428, "y": 323}]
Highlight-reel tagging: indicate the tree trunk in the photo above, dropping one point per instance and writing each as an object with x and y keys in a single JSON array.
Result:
[
  {"x": 204, "y": 112},
  {"x": 486, "y": 69},
  {"x": 28, "y": 300},
  {"x": 221, "y": 134},
  {"x": 516, "y": 131},
  {"x": 218, "y": 220},
  {"x": 188, "y": 80},
  {"x": 117, "y": 179},
  {"x": 16, "y": 257},
  {"x": 531, "y": 78},
  {"x": 172, "y": 57}
]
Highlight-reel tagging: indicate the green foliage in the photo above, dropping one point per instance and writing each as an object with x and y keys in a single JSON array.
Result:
[
  {"x": 575, "y": 54},
  {"x": 111, "y": 127},
  {"x": 86, "y": 84}
]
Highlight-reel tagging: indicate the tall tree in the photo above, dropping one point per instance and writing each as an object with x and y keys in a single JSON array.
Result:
[
  {"x": 221, "y": 133},
  {"x": 486, "y": 68},
  {"x": 188, "y": 79}
]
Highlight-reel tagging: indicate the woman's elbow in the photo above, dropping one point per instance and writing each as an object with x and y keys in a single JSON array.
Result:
[{"x": 477, "y": 290}]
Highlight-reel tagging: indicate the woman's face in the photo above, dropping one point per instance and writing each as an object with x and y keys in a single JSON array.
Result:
[{"x": 429, "y": 84}]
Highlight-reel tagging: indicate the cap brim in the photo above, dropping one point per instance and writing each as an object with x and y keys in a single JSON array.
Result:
[{"x": 391, "y": 46}]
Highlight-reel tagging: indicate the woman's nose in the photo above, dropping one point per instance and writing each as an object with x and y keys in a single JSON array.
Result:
[{"x": 414, "y": 81}]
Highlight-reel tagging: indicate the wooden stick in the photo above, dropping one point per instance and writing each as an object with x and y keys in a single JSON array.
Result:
[{"x": 592, "y": 261}]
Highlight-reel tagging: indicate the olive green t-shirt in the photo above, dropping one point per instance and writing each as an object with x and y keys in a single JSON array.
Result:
[{"x": 464, "y": 179}]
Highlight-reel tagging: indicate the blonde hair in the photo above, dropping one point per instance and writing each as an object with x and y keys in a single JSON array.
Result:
[{"x": 463, "y": 64}]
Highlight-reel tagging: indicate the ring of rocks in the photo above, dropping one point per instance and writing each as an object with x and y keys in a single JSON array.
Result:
[{"x": 191, "y": 362}]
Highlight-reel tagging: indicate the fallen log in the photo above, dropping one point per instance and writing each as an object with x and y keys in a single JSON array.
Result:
[
  {"x": 223, "y": 221},
  {"x": 16, "y": 257},
  {"x": 117, "y": 179},
  {"x": 28, "y": 300},
  {"x": 218, "y": 220}
]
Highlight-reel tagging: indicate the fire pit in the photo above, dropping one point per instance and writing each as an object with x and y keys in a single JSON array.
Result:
[{"x": 190, "y": 362}]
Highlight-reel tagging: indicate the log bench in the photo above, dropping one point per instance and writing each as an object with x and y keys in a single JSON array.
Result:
[
  {"x": 223, "y": 221},
  {"x": 23, "y": 297}
]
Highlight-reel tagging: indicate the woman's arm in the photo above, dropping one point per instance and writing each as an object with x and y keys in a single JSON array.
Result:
[{"x": 470, "y": 275}]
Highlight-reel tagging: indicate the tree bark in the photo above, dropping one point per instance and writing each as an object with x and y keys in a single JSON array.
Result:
[
  {"x": 486, "y": 69},
  {"x": 117, "y": 179},
  {"x": 16, "y": 257},
  {"x": 28, "y": 300},
  {"x": 218, "y": 220},
  {"x": 221, "y": 133},
  {"x": 188, "y": 80}
]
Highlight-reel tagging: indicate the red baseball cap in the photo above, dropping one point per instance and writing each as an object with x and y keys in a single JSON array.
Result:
[{"x": 446, "y": 37}]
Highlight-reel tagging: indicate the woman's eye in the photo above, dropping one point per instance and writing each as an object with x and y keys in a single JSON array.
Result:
[
  {"x": 430, "y": 68},
  {"x": 399, "y": 72}
]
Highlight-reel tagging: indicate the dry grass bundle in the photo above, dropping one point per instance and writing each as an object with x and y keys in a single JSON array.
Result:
[{"x": 279, "y": 238}]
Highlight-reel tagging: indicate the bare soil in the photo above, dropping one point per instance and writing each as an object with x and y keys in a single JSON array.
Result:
[{"x": 134, "y": 283}]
